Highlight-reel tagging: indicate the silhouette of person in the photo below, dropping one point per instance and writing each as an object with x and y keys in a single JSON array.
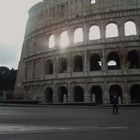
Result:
[{"x": 115, "y": 104}]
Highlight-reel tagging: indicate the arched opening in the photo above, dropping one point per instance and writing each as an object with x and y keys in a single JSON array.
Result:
[
  {"x": 95, "y": 62},
  {"x": 135, "y": 94},
  {"x": 51, "y": 41},
  {"x": 78, "y": 63},
  {"x": 64, "y": 39},
  {"x": 49, "y": 67},
  {"x": 49, "y": 95},
  {"x": 111, "y": 30},
  {"x": 116, "y": 90},
  {"x": 130, "y": 28},
  {"x": 78, "y": 94},
  {"x": 78, "y": 35},
  {"x": 92, "y": 1},
  {"x": 62, "y": 94},
  {"x": 133, "y": 60},
  {"x": 96, "y": 95},
  {"x": 62, "y": 64},
  {"x": 94, "y": 33},
  {"x": 113, "y": 61}
]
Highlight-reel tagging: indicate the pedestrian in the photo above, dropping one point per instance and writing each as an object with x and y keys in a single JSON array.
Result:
[{"x": 115, "y": 104}]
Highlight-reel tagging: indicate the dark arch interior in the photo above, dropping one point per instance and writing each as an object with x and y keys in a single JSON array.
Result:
[
  {"x": 95, "y": 62},
  {"x": 78, "y": 94},
  {"x": 49, "y": 67},
  {"x": 49, "y": 95},
  {"x": 113, "y": 61},
  {"x": 62, "y": 65},
  {"x": 78, "y": 63},
  {"x": 97, "y": 91},
  {"x": 135, "y": 94},
  {"x": 115, "y": 90},
  {"x": 61, "y": 92},
  {"x": 133, "y": 60}
]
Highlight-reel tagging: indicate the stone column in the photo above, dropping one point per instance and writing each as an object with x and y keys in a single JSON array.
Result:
[
  {"x": 86, "y": 94},
  {"x": 85, "y": 33},
  {"x": 55, "y": 66},
  {"x": 69, "y": 93},
  {"x": 55, "y": 93},
  {"x": 106, "y": 98},
  {"x": 57, "y": 39},
  {"x": 85, "y": 63},
  {"x": 121, "y": 31},
  {"x": 69, "y": 68},
  {"x": 126, "y": 98},
  {"x": 33, "y": 68},
  {"x": 43, "y": 68},
  {"x": 102, "y": 30},
  {"x": 104, "y": 61},
  {"x": 71, "y": 36},
  {"x": 66, "y": 10},
  {"x": 123, "y": 58},
  {"x": 69, "y": 9},
  {"x": 138, "y": 25},
  {"x": 88, "y": 62}
]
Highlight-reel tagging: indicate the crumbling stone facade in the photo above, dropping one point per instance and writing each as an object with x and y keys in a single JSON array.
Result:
[{"x": 81, "y": 51}]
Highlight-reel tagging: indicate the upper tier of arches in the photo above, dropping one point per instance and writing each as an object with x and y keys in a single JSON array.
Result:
[{"x": 94, "y": 33}]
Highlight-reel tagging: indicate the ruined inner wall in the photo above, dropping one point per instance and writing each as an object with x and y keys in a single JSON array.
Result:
[{"x": 55, "y": 16}]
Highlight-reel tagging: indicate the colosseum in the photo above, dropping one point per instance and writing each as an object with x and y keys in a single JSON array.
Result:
[{"x": 81, "y": 51}]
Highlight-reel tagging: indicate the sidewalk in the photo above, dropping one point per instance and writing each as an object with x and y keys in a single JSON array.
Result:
[{"x": 89, "y": 106}]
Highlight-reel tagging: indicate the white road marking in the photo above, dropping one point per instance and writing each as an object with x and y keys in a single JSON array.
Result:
[{"x": 13, "y": 129}]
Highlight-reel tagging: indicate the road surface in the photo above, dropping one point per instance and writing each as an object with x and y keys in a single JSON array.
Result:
[{"x": 68, "y": 123}]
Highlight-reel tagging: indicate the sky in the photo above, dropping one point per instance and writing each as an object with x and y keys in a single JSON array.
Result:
[{"x": 13, "y": 18}]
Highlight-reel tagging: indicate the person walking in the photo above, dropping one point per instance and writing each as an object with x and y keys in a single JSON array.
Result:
[{"x": 115, "y": 104}]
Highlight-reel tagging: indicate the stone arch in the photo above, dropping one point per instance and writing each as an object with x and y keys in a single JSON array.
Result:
[
  {"x": 78, "y": 94},
  {"x": 112, "y": 30},
  {"x": 135, "y": 94},
  {"x": 94, "y": 32},
  {"x": 49, "y": 66},
  {"x": 130, "y": 28},
  {"x": 113, "y": 61},
  {"x": 64, "y": 39},
  {"x": 62, "y": 65},
  {"x": 62, "y": 94},
  {"x": 78, "y": 35},
  {"x": 115, "y": 90},
  {"x": 95, "y": 62},
  {"x": 78, "y": 63},
  {"x": 92, "y": 1},
  {"x": 133, "y": 59},
  {"x": 49, "y": 95},
  {"x": 97, "y": 92},
  {"x": 52, "y": 41}
]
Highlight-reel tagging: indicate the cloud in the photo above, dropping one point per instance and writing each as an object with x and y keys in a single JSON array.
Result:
[
  {"x": 13, "y": 15},
  {"x": 9, "y": 55}
]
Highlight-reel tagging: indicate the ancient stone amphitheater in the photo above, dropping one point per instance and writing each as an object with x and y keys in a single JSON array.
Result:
[{"x": 81, "y": 51}]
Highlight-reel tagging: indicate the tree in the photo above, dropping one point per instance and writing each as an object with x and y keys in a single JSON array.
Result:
[{"x": 7, "y": 78}]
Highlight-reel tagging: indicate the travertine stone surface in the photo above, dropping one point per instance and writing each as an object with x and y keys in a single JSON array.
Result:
[{"x": 34, "y": 80}]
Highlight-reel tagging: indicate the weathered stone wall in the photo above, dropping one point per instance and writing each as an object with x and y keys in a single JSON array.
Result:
[{"x": 54, "y": 17}]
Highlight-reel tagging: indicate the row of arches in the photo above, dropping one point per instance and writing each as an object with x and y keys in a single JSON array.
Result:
[
  {"x": 94, "y": 33},
  {"x": 96, "y": 94},
  {"x": 95, "y": 63}
]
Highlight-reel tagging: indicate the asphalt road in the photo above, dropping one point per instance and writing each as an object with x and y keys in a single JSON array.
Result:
[{"x": 68, "y": 123}]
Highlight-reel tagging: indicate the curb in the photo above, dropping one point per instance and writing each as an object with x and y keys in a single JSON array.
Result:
[{"x": 70, "y": 106}]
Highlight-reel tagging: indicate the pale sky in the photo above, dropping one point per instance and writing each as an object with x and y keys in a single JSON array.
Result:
[{"x": 13, "y": 18}]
